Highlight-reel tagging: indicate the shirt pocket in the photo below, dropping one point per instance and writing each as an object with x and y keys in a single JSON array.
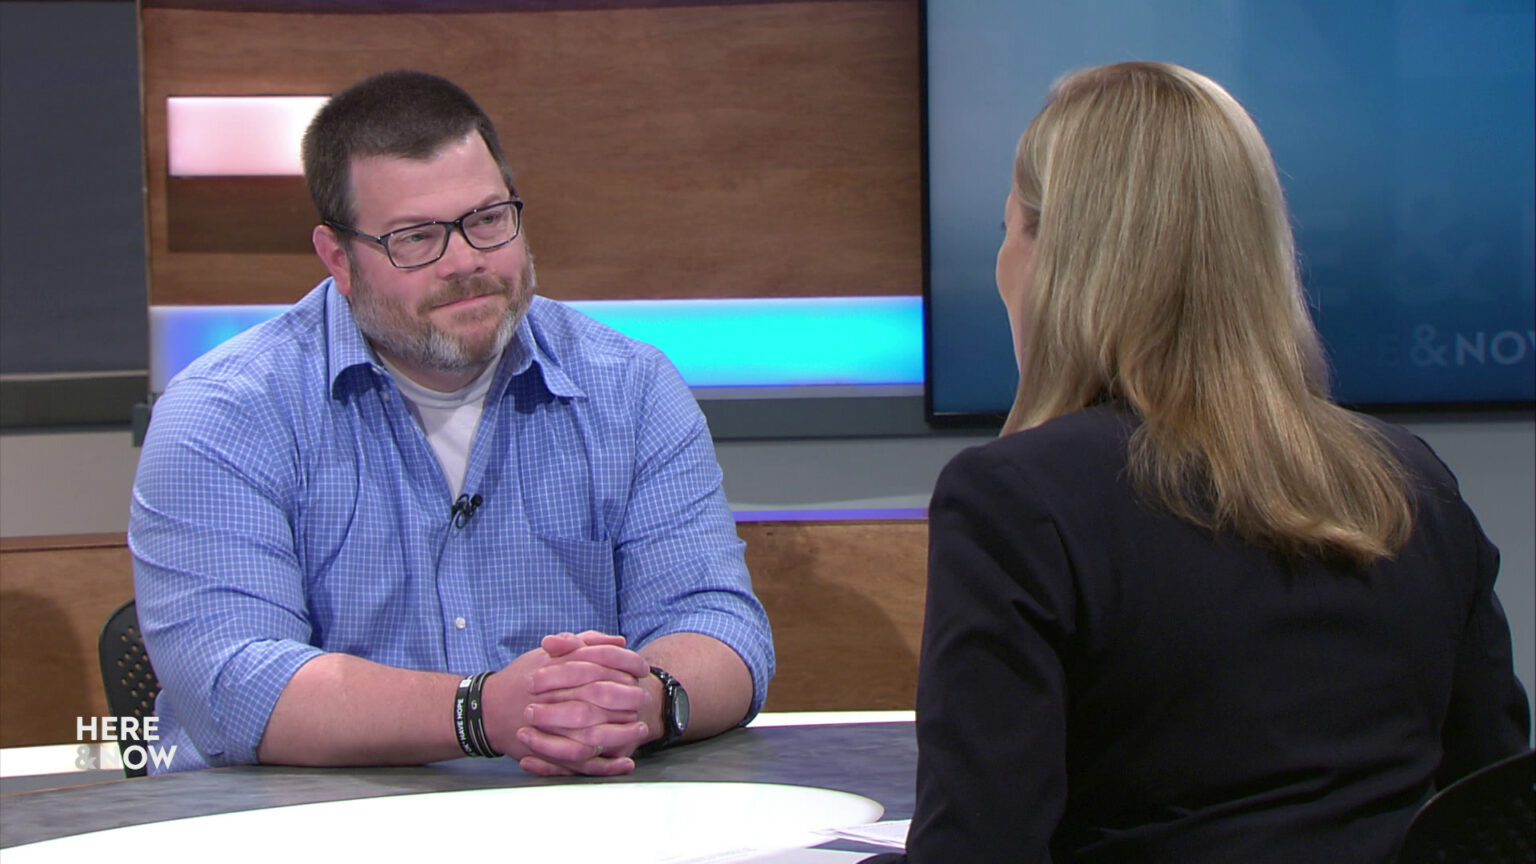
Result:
[
  {"x": 555, "y": 478},
  {"x": 574, "y": 588}
]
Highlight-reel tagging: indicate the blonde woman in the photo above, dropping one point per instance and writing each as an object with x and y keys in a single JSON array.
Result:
[{"x": 1185, "y": 608}]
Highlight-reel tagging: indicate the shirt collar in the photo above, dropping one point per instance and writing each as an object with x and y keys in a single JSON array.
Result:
[
  {"x": 349, "y": 356},
  {"x": 529, "y": 348}
]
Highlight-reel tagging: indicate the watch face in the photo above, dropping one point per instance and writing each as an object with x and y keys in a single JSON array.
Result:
[{"x": 679, "y": 708}]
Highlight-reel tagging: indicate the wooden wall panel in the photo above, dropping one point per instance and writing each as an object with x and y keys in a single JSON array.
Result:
[
  {"x": 845, "y": 601},
  {"x": 55, "y": 593},
  {"x": 767, "y": 149},
  {"x": 274, "y": 215}
]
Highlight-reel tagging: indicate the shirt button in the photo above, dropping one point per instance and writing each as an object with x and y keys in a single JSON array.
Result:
[{"x": 460, "y": 623}]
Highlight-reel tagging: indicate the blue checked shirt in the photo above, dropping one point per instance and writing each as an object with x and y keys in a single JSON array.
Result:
[{"x": 288, "y": 504}]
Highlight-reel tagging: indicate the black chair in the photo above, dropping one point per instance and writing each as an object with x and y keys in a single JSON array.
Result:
[
  {"x": 129, "y": 679},
  {"x": 1487, "y": 817}
]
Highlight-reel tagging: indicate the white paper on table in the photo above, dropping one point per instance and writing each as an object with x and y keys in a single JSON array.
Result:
[
  {"x": 782, "y": 856},
  {"x": 892, "y": 833}
]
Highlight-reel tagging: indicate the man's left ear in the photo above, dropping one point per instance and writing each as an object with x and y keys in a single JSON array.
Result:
[{"x": 334, "y": 256}]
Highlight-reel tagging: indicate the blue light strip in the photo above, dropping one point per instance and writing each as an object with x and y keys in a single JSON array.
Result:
[
  {"x": 714, "y": 343},
  {"x": 778, "y": 341}
]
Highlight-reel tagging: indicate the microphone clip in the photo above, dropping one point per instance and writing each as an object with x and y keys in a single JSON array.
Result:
[{"x": 464, "y": 508}]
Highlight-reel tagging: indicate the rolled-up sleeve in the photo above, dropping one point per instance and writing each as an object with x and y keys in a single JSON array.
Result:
[
  {"x": 221, "y": 598},
  {"x": 680, "y": 563}
]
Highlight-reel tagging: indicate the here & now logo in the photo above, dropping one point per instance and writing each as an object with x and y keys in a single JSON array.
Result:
[{"x": 137, "y": 735}]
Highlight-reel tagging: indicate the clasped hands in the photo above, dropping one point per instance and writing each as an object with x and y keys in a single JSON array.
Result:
[{"x": 575, "y": 705}]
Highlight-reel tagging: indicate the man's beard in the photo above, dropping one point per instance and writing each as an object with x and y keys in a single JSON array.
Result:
[{"x": 413, "y": 339}]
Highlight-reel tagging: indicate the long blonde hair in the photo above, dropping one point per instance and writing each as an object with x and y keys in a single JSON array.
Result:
[{"x": 1165, "y": 275}]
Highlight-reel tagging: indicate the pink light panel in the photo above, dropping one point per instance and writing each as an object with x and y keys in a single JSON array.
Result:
[{"x": 237, "y": 136}]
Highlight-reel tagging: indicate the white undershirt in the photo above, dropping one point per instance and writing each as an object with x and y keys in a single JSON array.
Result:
[{"x": 448, "y": 419}]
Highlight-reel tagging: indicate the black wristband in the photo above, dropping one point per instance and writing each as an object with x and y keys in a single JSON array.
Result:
[
  {"x": 469, "y": 718},
  {"x": 477, "y": 717},
  {"x": 460, "y": 718}
]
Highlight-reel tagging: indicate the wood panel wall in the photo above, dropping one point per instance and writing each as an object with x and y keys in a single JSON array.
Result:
[
  {"x": 55, "y": 594},
  {"x": 737, "y": 150},
  {"x": 845, "y": 601}
]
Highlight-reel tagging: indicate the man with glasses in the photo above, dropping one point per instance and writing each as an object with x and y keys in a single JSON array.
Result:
[{"x": 426, "y": 513}]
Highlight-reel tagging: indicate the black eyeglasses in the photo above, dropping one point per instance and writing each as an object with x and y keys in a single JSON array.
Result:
[{"x": 419, "y": 245}]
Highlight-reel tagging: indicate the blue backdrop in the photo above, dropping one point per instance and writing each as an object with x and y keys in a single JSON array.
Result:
[{"x": 1404, "y": 136}]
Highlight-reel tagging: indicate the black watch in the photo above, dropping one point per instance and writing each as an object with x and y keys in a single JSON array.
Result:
[{"x": 674, "y": 711}]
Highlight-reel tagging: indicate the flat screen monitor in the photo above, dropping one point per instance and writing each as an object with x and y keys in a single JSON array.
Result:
[{"x": 1403, "y": 136}]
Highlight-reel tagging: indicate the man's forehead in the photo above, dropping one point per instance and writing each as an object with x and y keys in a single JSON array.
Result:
[
  {"x": 460, "y": 170},
  {"x": 453, "y": 155}
]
